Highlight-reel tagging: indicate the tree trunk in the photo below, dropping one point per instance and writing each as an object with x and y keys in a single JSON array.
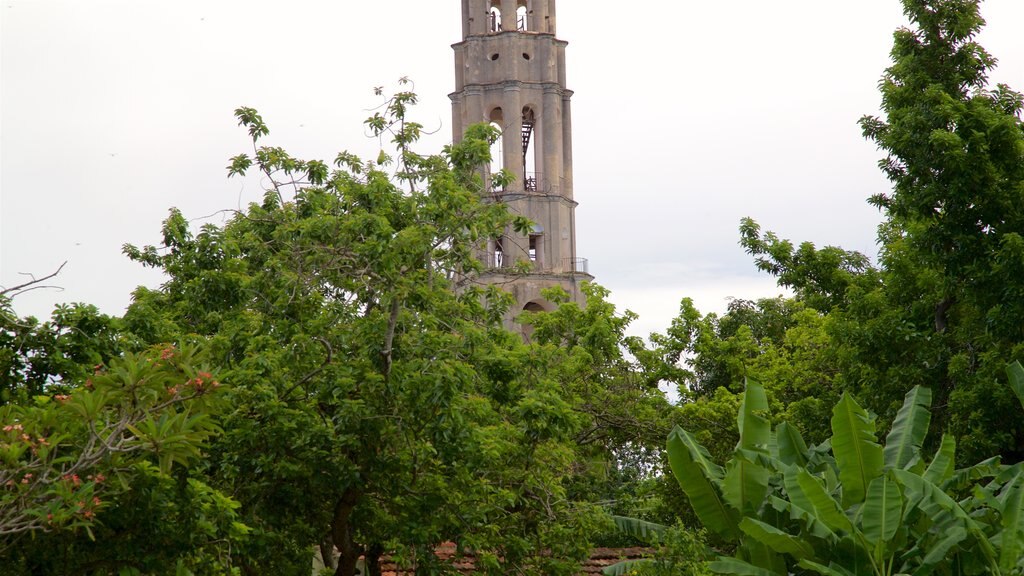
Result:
[
  {"x": 327, "y": 551},
  {"x": 342, "y": 533},
  {"x": 940, "y": 313},
  {"x": 373, "y": 555}
]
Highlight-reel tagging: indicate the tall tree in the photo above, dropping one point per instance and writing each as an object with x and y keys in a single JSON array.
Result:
[
  {"x": 378, "y": 404},
  {"x": 953, "y": 245},
  {"x": 943, "y": 308}
]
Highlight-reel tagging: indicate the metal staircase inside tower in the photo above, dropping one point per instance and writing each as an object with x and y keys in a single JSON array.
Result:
[{"x": 530, "y": 182}]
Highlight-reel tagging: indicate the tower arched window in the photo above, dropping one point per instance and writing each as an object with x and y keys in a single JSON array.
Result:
[
  {"x": 530, "y": 176},
  {"x": 535, "y": 249},
  {"x": 522, "y": 19},
  {"x": 497, "y": 120},
  {"x": 498, "y": 252},
  {"x": 494, "y": 19}
]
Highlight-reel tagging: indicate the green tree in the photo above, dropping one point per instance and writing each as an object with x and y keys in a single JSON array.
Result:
[
  {"x": 952, "y": 244},
  {"x": 378, "y": 406},
  {"x": 943, "y": 307},
  {"x": 623, "y": 413},
  {"x": 34, "y": 355},
  {"x": 112, "y": 458}
]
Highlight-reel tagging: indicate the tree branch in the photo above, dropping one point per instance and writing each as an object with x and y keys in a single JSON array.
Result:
[{"x": 21, "y": 287}]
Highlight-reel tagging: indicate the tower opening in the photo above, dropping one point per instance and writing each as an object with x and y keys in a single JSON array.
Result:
[
  {"x": 494, "y": 19},
  {"x": 536, "y": 247},
  {"x": 497, "y": 119},
  {"x": 522, "y": 19},
  {"x": 497, "y": 155},
  {"x": 498, "y": 252},
  {"x": 530, "y": 176},
  {"x": 534, "y": 307}
]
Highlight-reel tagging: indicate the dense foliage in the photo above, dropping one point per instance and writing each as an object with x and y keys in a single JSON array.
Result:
[
  {"x": 372, "y": 401},
  {"x": 850, "y": 505},
  {"x": 320, "y": 375},
  {"x": 109, "y": 459}
]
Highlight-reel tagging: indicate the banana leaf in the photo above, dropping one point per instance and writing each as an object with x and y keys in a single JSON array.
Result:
[
  {"x": 755, "y": 429},
  {"x": 857, "y": 452},
  {"x": 701, "y": 479},
  {"x": 776, "y": 539},
  {"x": 941, "y": 549},
  {"x": 882, "y": 512},
  {"x": 832, "y": 569},
  {"x": 1011, "y": 501},
  {"x": 726, "y": 565},
  {"x": 808, "y": 493},
  {"x": 1016, "y": 376},
  {"x": 812, "y": 525},
  {"x": 791, "y": 449},
  {"x": 944, "y": 511},
  {"x": 942, "y": 466},
  {"x": 745, "y": 484},
  {"x": 641, "y": 529},
  {"x": 903, "y": 444},
  {"x": 626, "y": 567}
]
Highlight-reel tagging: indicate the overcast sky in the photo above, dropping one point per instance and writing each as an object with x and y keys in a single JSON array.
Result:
[{"x": 688, "y": 116}]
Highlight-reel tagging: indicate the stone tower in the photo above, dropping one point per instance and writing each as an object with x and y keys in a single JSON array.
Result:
[{"x": 510, "y": 71}]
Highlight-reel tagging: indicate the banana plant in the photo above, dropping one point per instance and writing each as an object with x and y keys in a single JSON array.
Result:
[{"x": 853, "y": 506}]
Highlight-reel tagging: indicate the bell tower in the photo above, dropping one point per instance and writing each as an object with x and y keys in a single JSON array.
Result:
[{"x": 510, "y": 71}]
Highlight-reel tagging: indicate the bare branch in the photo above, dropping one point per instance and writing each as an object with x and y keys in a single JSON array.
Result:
[{"x": 21, "y": 287}]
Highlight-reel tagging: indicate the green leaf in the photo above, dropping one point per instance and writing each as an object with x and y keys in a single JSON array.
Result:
[
  {"x": 646, "y": 531},
  {"x": 832, "y": 569},
  {"x": 627, "y": 567},
  {"x": 942, "y": 466},
  {"x": 761, "y": 555},
  {"x": 726, "y": 565},
  {"x": 943, "y": 510},
  {"x": 745, "y": 485},
  {"x": 903, "y": 444},
  {"x": 940, "y": 550},
  {"x": 1012, "y": 514},
  {"x": 776, "y": 539},
  {"x": 754, "y": 427},
  {"x": 808, "y": 493},
  {"x": 882, "y": 512},
  {"x": 809, "y": 520},
  {"x": 1016, "y": 377},
  {"x": 857, "y": 453},
  {"x": 700, "y": 479},
  {"x": 792, "y": 450}
]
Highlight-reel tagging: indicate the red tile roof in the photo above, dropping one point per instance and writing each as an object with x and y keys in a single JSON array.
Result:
[{"x": 600, "y": 558}]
